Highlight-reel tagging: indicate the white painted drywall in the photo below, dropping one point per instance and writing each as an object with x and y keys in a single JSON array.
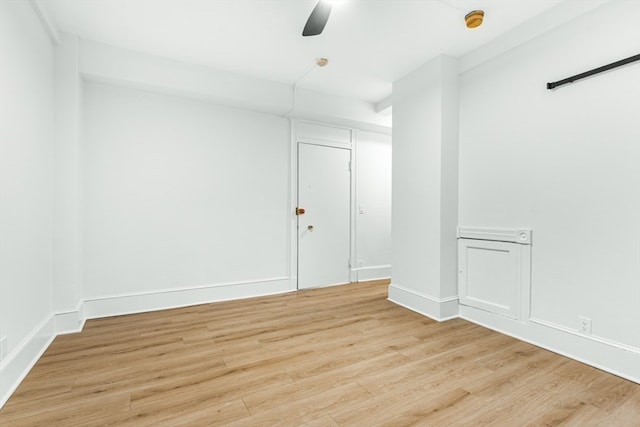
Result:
[
  {"x": 425, "y": 181},
  {"x": 101, "y": 62},
  {"x": 416, "y": 189},
  {"x": 339, "y": 110},
  {"x": 373, "y": 204},
  {"x": 106, "y": 64},
  {"x": 566, "y": 163},
  {"x": 67, "y": 250},
  {"x": 181, "y": 193},
  {"x": 26, "y": 182}
]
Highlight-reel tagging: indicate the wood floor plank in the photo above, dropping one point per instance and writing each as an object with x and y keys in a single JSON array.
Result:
[
  {"x": 401, "y": 407},
  {"x": 325, "y": 421},
  {"x": 625, "y": 414},
  {"x": 265, "y": 399},
  {"x": 338, "y": 356},
  {"x": 197, "y": 413},
  {"x": 308, "y": 408}
]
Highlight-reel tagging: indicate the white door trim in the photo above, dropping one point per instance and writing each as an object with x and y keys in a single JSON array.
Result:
[
  {"x": 293, "y": 200},
  {"x": 297, "y": 138}
]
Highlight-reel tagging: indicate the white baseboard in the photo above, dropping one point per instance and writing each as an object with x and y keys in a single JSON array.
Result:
[
  {"x": 70, "y": 322},
  {"x": 15, "y": 367},
  {"x": 439, "y": 309},
  {"x": 618, "y": 359},
  {"x": 116, "y": 305},
  {"x": 373, "y": 272}
]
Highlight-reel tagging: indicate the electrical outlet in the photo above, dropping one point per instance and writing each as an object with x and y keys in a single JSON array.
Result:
[
  {"x": 584, "y": 325},
  {"x": 360, "y": 263},
  {"x": 3, "y": 348}
]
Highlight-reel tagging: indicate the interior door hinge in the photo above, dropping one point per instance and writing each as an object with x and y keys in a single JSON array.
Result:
[{"x": 349, "y": 165}]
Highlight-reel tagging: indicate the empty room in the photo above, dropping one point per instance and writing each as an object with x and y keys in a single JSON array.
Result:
[{"x": 319, "y": 213}]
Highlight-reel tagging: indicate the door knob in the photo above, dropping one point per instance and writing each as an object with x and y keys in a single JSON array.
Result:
[{"x": 310, "y": 227}]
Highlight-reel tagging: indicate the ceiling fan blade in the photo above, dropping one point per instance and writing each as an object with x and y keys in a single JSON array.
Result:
[{"x": 318, "y": 19}]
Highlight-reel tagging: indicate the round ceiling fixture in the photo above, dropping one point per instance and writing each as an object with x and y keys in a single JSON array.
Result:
[
  {"x": 321, "y": 62},
  {"x": 474, "y": 18}
]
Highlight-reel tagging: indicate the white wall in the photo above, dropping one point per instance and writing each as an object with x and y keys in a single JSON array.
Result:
[
  {"x": 190, "y": 198},
  {"x": 105, "y": 64},
  {"x": 373, "y": 193},
  {"x": 425, "y": 175},
  {"x": 566, "y": 163},
  {"x": 26, "y": 189},
  {"x": 341, "y": 111},
  {"x": 67, "y": 220},
  {"x": 181, "y": 194}
]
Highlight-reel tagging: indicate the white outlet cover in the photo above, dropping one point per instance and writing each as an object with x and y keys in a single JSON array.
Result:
[{"x": 584, "y": 325}]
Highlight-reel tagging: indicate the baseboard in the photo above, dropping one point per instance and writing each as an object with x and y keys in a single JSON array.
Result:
[
  {"x": 373, "y": 272},
  {"x": 15, "y": 367},
  {"x": 439, "y": 309},
  {"x": 116, "y": 305},
  {"x": 617, "y": 359},
  {"x": 70, "y": 322}
]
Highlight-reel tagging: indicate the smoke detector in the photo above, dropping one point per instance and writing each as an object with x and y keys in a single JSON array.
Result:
[{"x": 474, "y": 18}]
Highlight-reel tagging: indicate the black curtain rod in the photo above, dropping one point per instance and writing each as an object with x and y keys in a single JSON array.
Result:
[{"x": 594, "y": 71}]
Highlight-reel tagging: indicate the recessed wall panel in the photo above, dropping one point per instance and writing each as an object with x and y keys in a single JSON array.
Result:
[{"x": 489, "y": 274}]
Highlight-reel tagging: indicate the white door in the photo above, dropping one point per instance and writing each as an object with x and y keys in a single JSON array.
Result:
[{"x": 324, "y": 192}]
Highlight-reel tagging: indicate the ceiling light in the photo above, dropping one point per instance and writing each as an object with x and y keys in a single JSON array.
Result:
[
  {"x": 321, "y": 62},
  {"x": 474, "y": 18}
]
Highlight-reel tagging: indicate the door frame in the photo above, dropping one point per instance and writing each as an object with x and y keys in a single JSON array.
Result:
[{"x": 298, "y": 137}]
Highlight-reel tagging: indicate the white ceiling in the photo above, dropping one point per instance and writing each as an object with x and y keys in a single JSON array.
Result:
[{"x": 369, "y": 43}]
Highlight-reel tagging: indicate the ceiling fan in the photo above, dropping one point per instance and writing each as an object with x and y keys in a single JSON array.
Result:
[{"x": 318, "y": 19}]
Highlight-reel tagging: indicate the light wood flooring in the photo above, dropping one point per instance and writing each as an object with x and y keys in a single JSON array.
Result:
[{"x": 338, "y": 356}]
